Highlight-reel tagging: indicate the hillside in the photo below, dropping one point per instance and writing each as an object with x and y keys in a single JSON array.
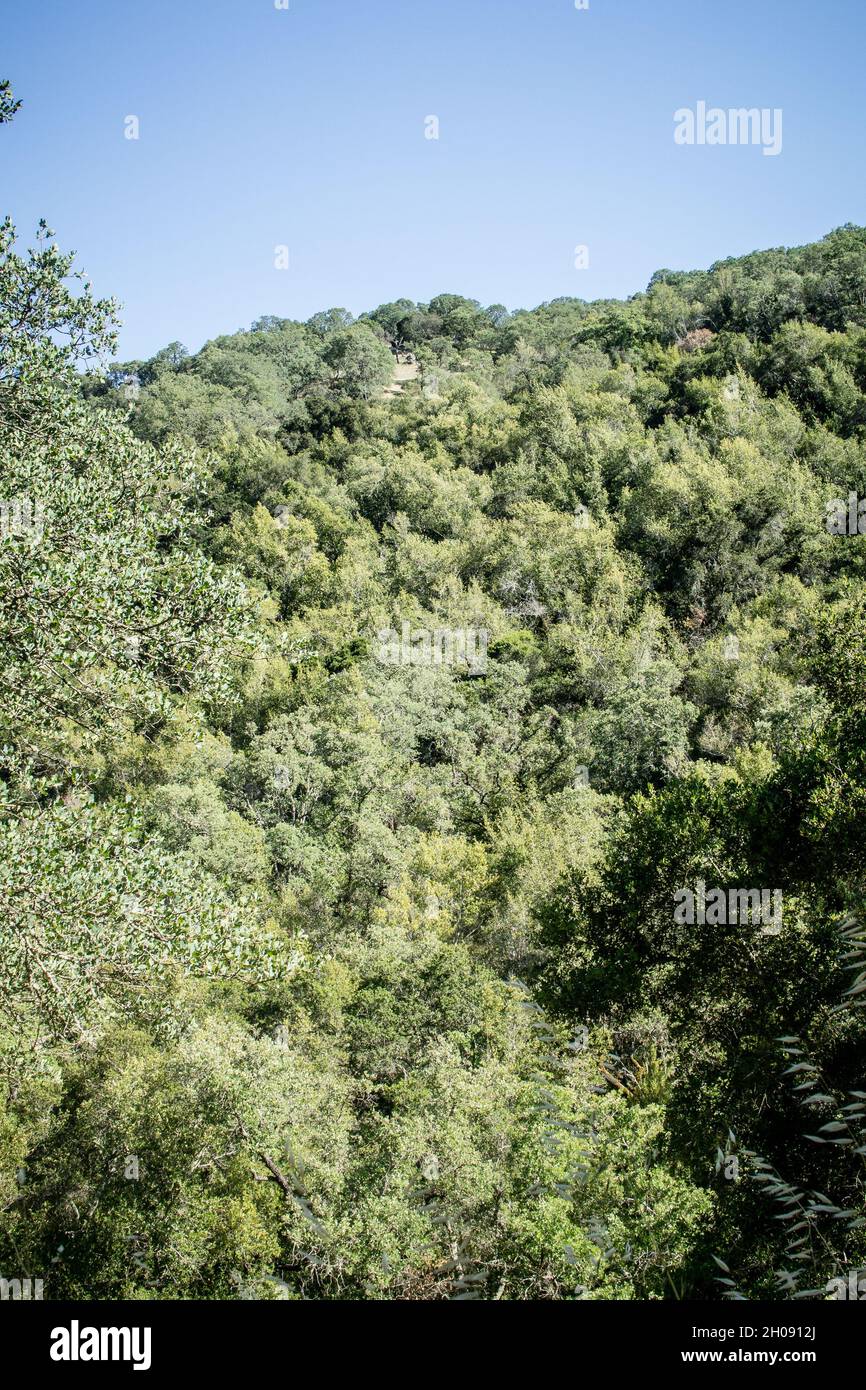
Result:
[{"x": 435, "y": 818}]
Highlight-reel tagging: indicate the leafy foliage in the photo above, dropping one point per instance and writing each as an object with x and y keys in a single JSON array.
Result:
[{"x": 333, "y": 974}]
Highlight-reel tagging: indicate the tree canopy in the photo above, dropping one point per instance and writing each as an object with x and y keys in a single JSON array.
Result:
[{"x": 358, "y": 741}]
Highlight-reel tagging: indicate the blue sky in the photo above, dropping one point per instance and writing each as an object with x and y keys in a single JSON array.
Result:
[{"x": 305, "y": 127}]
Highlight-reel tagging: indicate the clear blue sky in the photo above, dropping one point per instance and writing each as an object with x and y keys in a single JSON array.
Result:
[{"x": 261, "y": 127}]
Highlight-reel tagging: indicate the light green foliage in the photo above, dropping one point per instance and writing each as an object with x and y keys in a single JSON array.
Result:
[
  {"x": 328, "y": 973},
  {"x": 106, "y": 609},
  {"x": 96, "y": 915},
  {"x": 391, "y": 1138}
]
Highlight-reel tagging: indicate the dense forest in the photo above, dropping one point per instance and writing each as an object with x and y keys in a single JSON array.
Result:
[{"x": 433, "y": 794}]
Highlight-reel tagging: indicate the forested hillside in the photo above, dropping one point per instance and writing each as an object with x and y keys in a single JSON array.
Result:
[{"x": 388, "y": 776}]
